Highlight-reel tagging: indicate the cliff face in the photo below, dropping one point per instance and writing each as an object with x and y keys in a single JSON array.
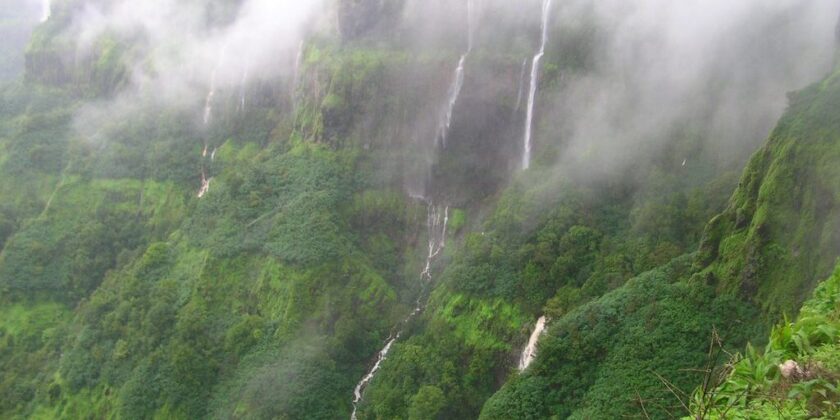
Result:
[
  {"x": 781, "y": 232},
  {"x": 778, "y": 237},
  {"x": 125, "y": 294}
]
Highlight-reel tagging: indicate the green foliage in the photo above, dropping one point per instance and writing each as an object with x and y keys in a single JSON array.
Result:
[
  {"x": 754, "y": 383},
  {"x": 458, "y": 220},
  {"x": 65, "y": 252},
  {"x": 426, "y": 404},
  {"x": 123, "y": 295},
  {"x": 779, "y": 233},
  {"x": 30, "y": 339},
  {"x": 602, "y": 359}
]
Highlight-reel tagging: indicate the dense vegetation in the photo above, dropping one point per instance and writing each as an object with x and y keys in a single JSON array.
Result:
[
  {"x": 124, "y": 295},
  {"x": 795, "y": 377}
]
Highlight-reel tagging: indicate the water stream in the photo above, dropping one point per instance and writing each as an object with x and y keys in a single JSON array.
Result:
[
  {"x": 530, "y": 351},
  {"x": 205, "y": 184},
  {"x": 532, "y": 92},
  {"x": 445, "y": 120},
  {"x": 436, "y": 222},
  {"x": 437, "y": 219},
  {"x": 207, "y": 119}
]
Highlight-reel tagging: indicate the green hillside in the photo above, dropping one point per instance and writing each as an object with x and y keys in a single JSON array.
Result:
[{"x": 195, "y": 230}]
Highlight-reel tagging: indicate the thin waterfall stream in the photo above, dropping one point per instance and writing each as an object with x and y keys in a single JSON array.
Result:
[
  {"x": 532, "y": 92},
  {"x": 207, "y": 118},
  {"x": 436, "y": 222},
  {"x": 445, "y": 121},
  {"x": 530, "y": 351}
]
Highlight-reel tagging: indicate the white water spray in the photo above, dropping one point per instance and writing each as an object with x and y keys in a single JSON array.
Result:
[
  {"x": 454, "y": 92},
  {"x": 445, "y": 121},
  {"x": 208, "y": 114},
  {"x": 205, "y": 184},
  {"x": 437, "y": 237},
  {"x": 357, "y": 393},
  {"x": 532, "y": 93},
  {"x": 436, "y": 222},
  {"x": 46, "y": 10},
  {"x": 530, "y": 351}
]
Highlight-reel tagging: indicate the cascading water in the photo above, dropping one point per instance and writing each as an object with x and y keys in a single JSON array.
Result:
[
  {"x": 457, "y": 84},
  {"x": 532, "y": 93},
  {"x": 205, "y": 184},
  {"x": 436, "y": 222},
  {"x": 437, "y": 237},
  {"x": 208, "y": 114},
  {"x": 454, "y": 92},
  {"x": 208, "y": 101},
  {"x": 46, "y": 10},
  {"x": 530, "y": 351},
  {"x": 211, "y": 94}
]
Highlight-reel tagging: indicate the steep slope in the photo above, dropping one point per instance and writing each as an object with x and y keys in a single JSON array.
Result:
[
  {"x": 243, "y": 246},
  {"x": 128, "y": 296},
  {"x": 795, "y": 377},
  {"x": 781, "y": 232},
  {"x": 619, "y": 355}
]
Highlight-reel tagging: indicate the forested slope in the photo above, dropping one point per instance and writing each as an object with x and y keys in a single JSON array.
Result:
[
  {"x": 774, "y": 242},
  {"x": 245, "y": 246}
]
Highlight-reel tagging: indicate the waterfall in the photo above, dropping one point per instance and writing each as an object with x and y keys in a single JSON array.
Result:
[
  {"x": 454, "y": 91},
  {"x": 436, "y": 222},
  {"x": 357, "y": 393},
  {"x": 437, "y": 237},
  {"x": 445, "y": 120},
  {"x": 46, "y": 10},
  {"x": 530, "y": 351},
  {"x": 243, "y": 83},
  {"x": 208, "y": 101},
  {"x": 521, "y": 85},
  {"x": 205, "y": 184},
  {"x": 208, "y": 114},
  {"x": 532, "y": 93},
  {"x": 211, "y": 94}
]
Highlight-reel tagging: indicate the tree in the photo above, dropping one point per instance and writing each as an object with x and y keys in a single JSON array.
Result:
[{"x": 426, "y": 404}]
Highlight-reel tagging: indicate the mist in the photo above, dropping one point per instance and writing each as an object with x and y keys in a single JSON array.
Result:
[
  {"x": 621, "y": 81},
  {"x": 181, "y": 50},
  {"x": 664, "y": 71},
  {"x": 262, "y": 208}
]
